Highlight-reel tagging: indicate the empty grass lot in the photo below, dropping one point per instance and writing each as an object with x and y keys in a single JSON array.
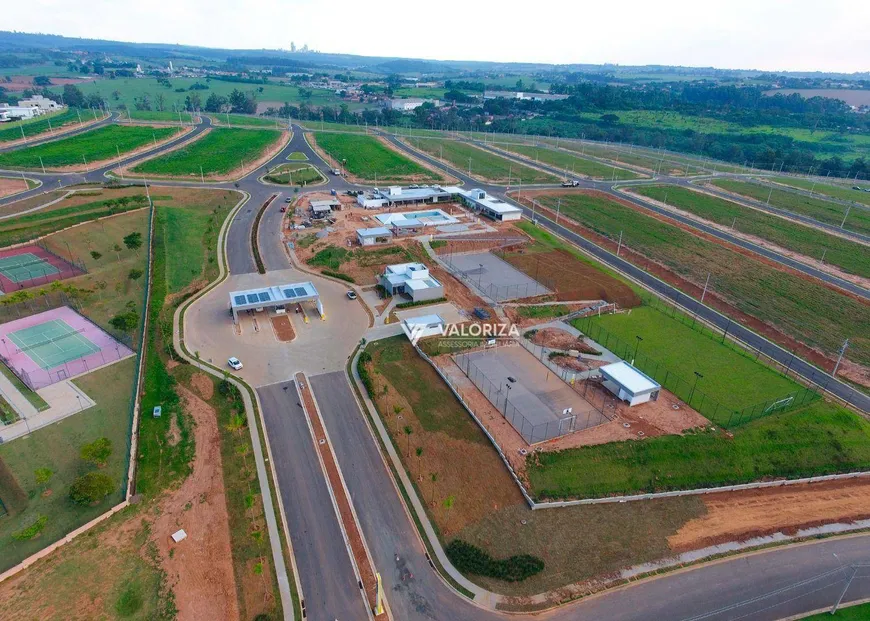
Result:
[
  {"x": 643, "y": 158},
  {"x": 294, "y": 174},
  {"x": 368, "y": 158},
  {"x": 337, "y": 127},
  {"x": 821, "y": 438},
  {"x": 484, "y": 165},
  {"x": 571, "y": 164},
  {"x": 243, "y": 120},
  {"x": 168, "y": 116},
  {"x": 842, "y": 192},
  {"x": 57, "y": 448},
  {"x": 97, "y": 145},
  {"x": 32, "y": 128},
  {"x": 816, "y": 208},
  {"x": 730, "y": 377},
  {"x": 219, "y": 152},
  {"x": 850, "y": 256},
  {"x": 804, "y": 309}
]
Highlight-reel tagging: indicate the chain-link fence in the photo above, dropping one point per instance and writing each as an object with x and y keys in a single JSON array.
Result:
[{"x": 474, "y": 277}]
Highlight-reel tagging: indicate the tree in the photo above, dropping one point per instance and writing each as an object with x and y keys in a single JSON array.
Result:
[
  {"x": 96, "y": 255},
  {"x": 133, "y": 241},
  {"x": 41, "y": 80},
  {"x": 91, "y": 488},
  {"x": 73, "y": 96},
  {"x": 408, "y": 431},
  {"x": 448, "y": 504},
  {"x": 192, "y": 102},
  {"x": 135, "y": 274},
  {"x": 142, "y": 103},
  {"x": 434, "y": 478},
  {"x": 160, "y": 102},
  {"x": 97, "y": 452},
  {"x": 419, "y": 451},
  {"x": 42, "y": 475},
  {"x": 215, "y": 103},
  {"x": 125, "y": 322},
  {"x": 117, "y": 248}
]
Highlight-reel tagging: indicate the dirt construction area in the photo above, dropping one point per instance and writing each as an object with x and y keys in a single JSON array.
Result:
[{"x": 9, "y": 186}]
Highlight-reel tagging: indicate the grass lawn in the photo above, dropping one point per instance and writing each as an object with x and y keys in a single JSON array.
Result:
[
  {"x": 368, "y": 158},
  {"x": 35, "y": 400},
  {"x": 297, "y": 156},
  {"x": 494, "y": 516},
  {"x": 542, "y": 312},
  {"x": 850, "y": 256},
  {"x": 294, "y": 174},
  {"x": 219, "y": 152},
  {"x": 337, "y": 127},
  {"x": 843, "y": 192},
  {"x": 801, "y": 308},
  {"x": 566, "y": 161},
  {"x": 169, "y": 116},
  {"x": 732, "y": 378},
  {"x": 484, "y": 165},
  {"x": 821, "y": 438},
  {"x": 816, "y": 208},
  {"x": 860, "y": 612},
  {"x": 671, "y": 163},
  {"x": 57, "y": 447},
  {"x": 97, "y": 145},
  {"x": 43, "y": 124},
  {"x": 244, "y": 120}
]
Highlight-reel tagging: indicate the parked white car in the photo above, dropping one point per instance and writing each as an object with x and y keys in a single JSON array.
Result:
[{"x": 235, "y": 364}]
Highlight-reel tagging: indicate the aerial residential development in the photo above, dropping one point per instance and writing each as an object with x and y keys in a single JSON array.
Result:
[{"x": 288, "y": 333}]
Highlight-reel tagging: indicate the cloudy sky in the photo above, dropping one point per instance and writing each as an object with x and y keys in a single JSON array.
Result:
[{"x": 757, "y": 34}]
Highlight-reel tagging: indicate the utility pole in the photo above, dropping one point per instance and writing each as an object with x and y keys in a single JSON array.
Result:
[
  {"x": 201, "y": 176},
  {"x": 733, "y": 222},
  {"x": 704, "y": 293},
  {"x": 42, "y": 165},
  {"x": 768, "y": 196},
  {"x": 558, "y": 208},
  {"x": 619, "y": 245},
  {"x": 840, "y": 357},
  {"x": 848, "y": 209},
  {"x": 824, "y": 252}
]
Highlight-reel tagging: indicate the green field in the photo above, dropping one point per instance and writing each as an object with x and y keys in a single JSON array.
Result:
[
  {"x": 219, "y": 152},
  {"x": 842, "y": 192},
  {"x": 297, "y": 156},
  {"x": 170, "y": 116},
  {"x": 90, "y": 147},
  {"x": 567, "y": 162},
  {"x": 130, "y": 89},
  {"x": 482, "y": 164},
  {"x": 244, "y": 120},
  {"x": 730, "y": 376},
  {"x": 368, "y": 158},
  {"x": 816, "y": 208},
  {"x": 803, "y": 309},
  {"x": 294, "y": 174},
  {"x": 43, "y": 124},
  {"x": 861, "y": 612},
  {"x": 328, "y": 126},
  {"x": 57, "y": 448},
  {"x": 850, "y": 256},
  {"x": 821, "y": 438}
]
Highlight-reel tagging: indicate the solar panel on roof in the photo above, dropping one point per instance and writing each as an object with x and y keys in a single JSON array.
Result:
[
  {"x": 264, "y": 296},
  {"x": 252, "y": 298},
  {"x": 239, "y": 299},
  {"x": 289, "y": 293},
  {"x": 299, "y": 291}
]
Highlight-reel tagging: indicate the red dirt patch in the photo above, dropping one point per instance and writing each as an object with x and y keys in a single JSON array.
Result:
[
  {"x": 10, "y": 186},
  {"x": 283, "y": 327},
  {"x": 203, "y": 385}
]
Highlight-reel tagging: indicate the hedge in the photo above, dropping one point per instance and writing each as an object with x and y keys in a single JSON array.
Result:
[
  {"x": 339, "y": 275},
  {"x": 468, "y": 558},
  {"x": 420, "y": 303}
]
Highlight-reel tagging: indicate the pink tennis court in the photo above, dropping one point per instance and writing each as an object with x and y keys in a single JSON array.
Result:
[{"x": 55, "y": 345}]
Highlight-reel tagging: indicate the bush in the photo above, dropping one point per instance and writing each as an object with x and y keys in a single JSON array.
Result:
[
  {"x": 98, "y": 451},
  {"x": 125, "y": 322},
  {"x": 29, "y": 532},
  {"x": 470, "y": 559},
  {"x": 364, "y": 375},
  {"x": 91, "y": 488},
  {"x": 339, "y": 275},
  {"x": 42, "y": 475},
  {"x": 420, "y": 303}
]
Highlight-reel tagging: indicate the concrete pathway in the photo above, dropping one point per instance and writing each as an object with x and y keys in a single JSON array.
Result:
[{"x": 64, "y": 399}]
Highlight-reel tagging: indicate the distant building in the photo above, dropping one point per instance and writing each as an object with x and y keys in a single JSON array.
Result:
[
  {"x": 413, "y": 280},
  {"x": 410, "y": 103},
  {"x": 374, "y": 236},
  {"x": 16, "y": 113},
  {"x": 629, "y": 384},
  {"x": 522, "y": 96},
  {"x": 38, "y": 101},
  {"x": 321, "y": 209},
  {"x": 493, "y": 208},
  {"x": 397, "y": 195}
]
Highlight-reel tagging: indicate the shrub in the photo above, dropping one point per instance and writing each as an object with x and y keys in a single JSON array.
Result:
[
  {"x": 470, "y": 559},
  {"x": 91, "y": 488},
  {"x": 339, "y": 275},
  {"x": 125, "y": 322},
  {"x": 98, "y": 451},
  {"x": 364, "y": 375},
  {"x": 29, "y": 532},
  {"x": 42, "y": 475},
  {"x": 420, "y": 303},
  {"x": 96, "y": 255}
]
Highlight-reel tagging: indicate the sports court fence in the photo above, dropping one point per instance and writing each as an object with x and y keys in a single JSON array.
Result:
[
  {"x": 504, "y": 293},
  {"x": 530, "y": 432},
  {"x": 49, "y": 267},
  {"x": 688, "y": 391}
]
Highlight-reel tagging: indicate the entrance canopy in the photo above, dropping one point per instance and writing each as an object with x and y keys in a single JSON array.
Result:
[{"x": 270, "y": 297}]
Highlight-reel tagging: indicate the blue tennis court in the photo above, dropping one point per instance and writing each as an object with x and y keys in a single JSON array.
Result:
[{"x": 26, "y": 266}]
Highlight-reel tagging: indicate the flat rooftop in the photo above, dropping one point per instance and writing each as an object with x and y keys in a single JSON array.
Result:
[
  {"x": 629, "y": 378},
  {"x": 278, "y": 294},
  {"x": 428, "y": 217}
]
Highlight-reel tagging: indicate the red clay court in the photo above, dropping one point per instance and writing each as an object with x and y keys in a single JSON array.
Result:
[
  {"x": 32, "y": 266},
  {"x": 55, "y": 345}
]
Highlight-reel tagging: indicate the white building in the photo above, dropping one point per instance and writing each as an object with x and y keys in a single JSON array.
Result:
[
  {"x": 16, "y": 113},
  {"x": 374, "y": 236},
  {"x": 416, "y": 328},
  {"x": 629, "y": 384},
  {"x": 412, "y": 279},
  {"x": 522, "y": 96},
  {"x": 396, "y": 195},
  {"x": 411, "y": 103},
  {"x": 489, "y": 206},
  {"x": 43, "y": 103}
]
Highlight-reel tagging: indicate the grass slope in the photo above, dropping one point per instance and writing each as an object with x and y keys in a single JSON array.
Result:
[
  {"x": 568, "y": 162},
  {"x": 96, "y": 145},
  {"x": 803, "y": 309},
  {"x": 843, "y": 192},
  {"x": 42, "y": 125},
  {"x": 850, "y": 256},
  {"x": 368, "y": 158},
  {"x": 218, "y": 153}
]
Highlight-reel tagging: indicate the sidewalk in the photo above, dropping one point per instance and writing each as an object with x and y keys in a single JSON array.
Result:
[{"x": 64, "y": 399}]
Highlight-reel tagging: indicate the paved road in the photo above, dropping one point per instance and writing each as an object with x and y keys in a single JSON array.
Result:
[{"x": 328, "y": 581}]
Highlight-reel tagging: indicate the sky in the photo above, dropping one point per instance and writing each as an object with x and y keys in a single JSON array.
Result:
[{"x": 770, "y": 35}]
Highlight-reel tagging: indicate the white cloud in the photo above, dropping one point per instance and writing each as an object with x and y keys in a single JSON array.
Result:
[{"x": 757, "y": 34}]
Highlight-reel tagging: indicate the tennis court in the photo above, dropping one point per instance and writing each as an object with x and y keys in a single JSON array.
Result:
[
  {"x": 56, "y": 345},
  {"x": 32, "y": 266},
  {"x": 52, "y": 343}
]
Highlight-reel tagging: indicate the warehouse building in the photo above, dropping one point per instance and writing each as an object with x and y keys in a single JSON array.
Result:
[
  {"x": 413, "y": 280},
  {"x": 629, "y": 384},
  {"x": 410, "y": 103}
]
